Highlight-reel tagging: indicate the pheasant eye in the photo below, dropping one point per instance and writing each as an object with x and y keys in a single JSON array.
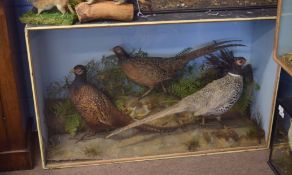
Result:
[
  {"x": 240, "y": 62},
  {"x": 79, "y": 71}
]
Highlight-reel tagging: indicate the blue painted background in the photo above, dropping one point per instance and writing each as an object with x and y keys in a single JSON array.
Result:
[
  {"x": 56, "y": 52},
  {"x": 158, "y": 43}
]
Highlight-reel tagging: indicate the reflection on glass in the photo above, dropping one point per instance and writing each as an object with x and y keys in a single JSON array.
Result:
[{"x": 281, "y": 155}]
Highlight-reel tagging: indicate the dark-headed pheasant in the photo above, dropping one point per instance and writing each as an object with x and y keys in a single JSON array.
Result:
[
  {"x": 152, "y": 71},
  {"x": 96, "y": 108},
  {"x": 214, "y": 99}
]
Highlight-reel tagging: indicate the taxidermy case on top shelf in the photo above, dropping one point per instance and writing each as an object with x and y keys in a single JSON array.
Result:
[
  {"x": 68, "y": 12},
  {"x": 106, "y": 95},
  {"x": 164, "y": 6},
  {"x": 283, "y": 46}
]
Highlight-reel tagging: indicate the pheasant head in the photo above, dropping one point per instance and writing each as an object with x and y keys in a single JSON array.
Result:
[
  {"x": 226, "y": 62},
  {"x": 237, "y": 66},
  {"x": 120, "y": 53},
  {"x": 80, "y": 76}
]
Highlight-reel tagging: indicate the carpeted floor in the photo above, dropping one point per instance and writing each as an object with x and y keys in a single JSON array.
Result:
[{"x": 245, "y": 163}]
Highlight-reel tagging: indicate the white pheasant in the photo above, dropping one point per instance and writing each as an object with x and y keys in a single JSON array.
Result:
[{"x": 216, "y": 98}]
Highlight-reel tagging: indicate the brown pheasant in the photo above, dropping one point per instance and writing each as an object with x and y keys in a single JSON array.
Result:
[
  {"x": 96, "y": 108},
  {"x": 152, "y": 71},
  {"x": 93, "y": 106}
]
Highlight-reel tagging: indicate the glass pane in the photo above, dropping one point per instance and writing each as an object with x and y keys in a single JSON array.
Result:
[
  {"x": 174, "y": 5},
  {"x": 285, "y": 37},
  {"x": 77, "y": 115},
  {"x": 281, "y": 154}
]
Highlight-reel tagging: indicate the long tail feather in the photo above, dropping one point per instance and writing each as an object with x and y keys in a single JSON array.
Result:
[
  {"x": 171, "y": 110},
  {"x": 210, "y": 48}
]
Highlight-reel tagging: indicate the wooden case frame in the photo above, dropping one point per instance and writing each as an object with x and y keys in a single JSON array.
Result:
[{"x": 29, "y": 28}]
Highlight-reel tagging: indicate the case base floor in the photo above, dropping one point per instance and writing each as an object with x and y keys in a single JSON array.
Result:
[{"x": 244, "y": 163}]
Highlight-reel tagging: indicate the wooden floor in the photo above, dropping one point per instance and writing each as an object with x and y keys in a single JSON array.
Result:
[{"x": 246, "y": 163}]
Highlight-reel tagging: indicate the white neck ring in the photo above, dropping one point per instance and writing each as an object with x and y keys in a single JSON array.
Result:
[{"x": 234, "y": 75}]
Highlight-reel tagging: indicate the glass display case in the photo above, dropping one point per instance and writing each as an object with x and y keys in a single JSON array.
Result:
[
  {"x": 162, "y": 6},
  {"x": 283, "y": 44},
  {"x": 92, "y": 82},
  {"x": 280, "y": 158},
  {"x": 281, "y": 153}
]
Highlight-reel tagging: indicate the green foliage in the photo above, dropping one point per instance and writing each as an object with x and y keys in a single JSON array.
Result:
[
  {"x": 53, "y": 17},
  {"x": 92, "y": 151},
  {"x": 243, "y": 103},
  {"x": 62, "y": 108},
  {"x": 184, "y": 87},
  {"x": 193, "y": 144},
  {"x": 257, "y": 87},
  {"x": 169, "y": 100},
  {"x": 120, "y": 104},
  {"x": 66, "y": 110},
  {"x": 190, "y": 84},
  {"x": 72, "y": 124}
]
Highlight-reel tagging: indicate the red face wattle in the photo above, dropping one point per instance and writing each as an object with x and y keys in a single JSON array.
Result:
[{"x": 240, "y": 62}]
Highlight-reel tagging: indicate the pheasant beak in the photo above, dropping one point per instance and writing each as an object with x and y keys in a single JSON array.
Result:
[{"x": 245, "y": 64}]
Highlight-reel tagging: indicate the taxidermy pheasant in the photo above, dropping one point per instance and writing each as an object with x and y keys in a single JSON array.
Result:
[
  {"x": 96, "y": 109},
  {"x": 152, "y": 71},
  {"x": 93, "y": 106},
  {"x": 214, "y": 99}
]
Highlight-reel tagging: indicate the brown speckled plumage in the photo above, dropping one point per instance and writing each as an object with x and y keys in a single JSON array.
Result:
[
  {"x": 214, "y": 99},
  {"x": 151, "y": 71},
  {"x": 93, "y": 106},
  {"x": 96, "y": 108}
]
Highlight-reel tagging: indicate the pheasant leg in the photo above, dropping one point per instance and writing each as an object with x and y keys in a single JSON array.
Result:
[
  {"x": 219, "y": 119},
  {"x": 163, "y": 88},
  {"x": 87, "y": 134},
  {"x": 203, "y": 121},
  {"x": 146, "y": 93}
]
